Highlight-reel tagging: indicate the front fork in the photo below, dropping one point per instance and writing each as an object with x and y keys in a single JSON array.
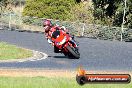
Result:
[{"x": 74, "y": 43}]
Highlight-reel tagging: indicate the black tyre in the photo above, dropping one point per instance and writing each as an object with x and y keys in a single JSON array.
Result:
[
  {"x": 65, "y": 54},
  {"x": 80, "y": 80},
  {"x": 73, "y": 52},
  {"x": 56, "y": 50}
]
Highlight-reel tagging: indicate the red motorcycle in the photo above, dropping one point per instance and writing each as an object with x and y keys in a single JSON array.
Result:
[{"x": 64, "y": 43}]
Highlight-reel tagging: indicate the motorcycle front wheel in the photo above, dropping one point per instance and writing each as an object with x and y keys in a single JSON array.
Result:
[{"x": 73, "y": 52}]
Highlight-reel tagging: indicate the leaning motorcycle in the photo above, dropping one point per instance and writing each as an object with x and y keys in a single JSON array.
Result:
[{"x": 64, "y": 43}]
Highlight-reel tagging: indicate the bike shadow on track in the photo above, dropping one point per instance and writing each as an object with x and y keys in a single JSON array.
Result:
[
  {"x": 66, "y": 57},
  {"x": 58, "y": 56}
]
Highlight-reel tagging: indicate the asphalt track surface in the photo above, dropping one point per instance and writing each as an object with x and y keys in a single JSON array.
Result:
[{"x": 95, "y": 54}]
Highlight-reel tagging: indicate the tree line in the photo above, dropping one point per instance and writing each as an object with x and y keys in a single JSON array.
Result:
[{"x": 104, "y": 12}]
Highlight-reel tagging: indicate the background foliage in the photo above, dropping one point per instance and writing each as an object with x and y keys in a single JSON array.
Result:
[
  {"x": 113, "y": 10},
  {"x": 52, "y": 9},
  {"x": 83, "y": 13}
]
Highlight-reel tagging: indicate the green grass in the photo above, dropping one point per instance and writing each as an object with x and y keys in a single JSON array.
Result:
[
  {"x": 8, "y": 51},
  {"x": 45, "y": 82}
]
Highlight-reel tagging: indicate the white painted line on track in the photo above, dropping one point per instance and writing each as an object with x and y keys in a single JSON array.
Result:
[{"x": 36, "y": 56}]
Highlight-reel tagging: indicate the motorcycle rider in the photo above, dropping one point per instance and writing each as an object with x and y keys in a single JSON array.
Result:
[{"x": 49, "y": 29}]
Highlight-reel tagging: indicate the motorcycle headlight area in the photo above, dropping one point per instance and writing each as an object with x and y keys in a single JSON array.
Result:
[{"x": 63, "y": 41}]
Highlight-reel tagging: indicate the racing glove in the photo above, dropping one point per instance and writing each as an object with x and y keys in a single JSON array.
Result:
[{"x": 49, "y": 41}]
